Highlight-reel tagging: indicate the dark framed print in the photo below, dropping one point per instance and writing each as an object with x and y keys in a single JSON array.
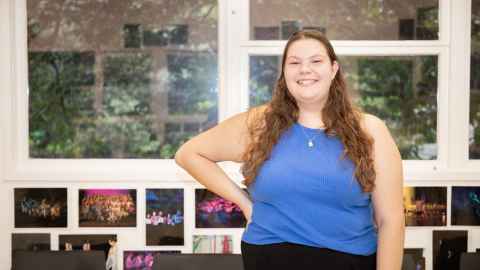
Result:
[
  {"x": 164, "y": 217},
  {"x": 213, "y": 211},
  {"x": 40, "y": 207},
  {"x": 107, "y": 208}
]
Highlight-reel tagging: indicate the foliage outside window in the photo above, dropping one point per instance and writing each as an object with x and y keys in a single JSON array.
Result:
[
  {"x": 345, "y": 20},
  {"x": 120, "y": 79},
  {"x": 400, "y": 90},
  {"x": 474, "y": 128}
]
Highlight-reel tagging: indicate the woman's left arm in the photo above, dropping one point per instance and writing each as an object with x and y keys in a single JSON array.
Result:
[{"x": 387, "y": 196}]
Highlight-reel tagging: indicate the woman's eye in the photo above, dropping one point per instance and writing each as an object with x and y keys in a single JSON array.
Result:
[
  {"x": 294, "y": 63},
  {"x": 317, "y": 61}
]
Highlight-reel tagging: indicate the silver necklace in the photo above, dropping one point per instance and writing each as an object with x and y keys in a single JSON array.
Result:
[{"x": 310, "y": 140}]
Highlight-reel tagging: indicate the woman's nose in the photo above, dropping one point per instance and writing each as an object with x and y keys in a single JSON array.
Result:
[{"x": 305, "y": 68}]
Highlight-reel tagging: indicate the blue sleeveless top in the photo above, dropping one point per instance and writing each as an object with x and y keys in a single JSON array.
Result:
[{"x": 310, "y": 196}]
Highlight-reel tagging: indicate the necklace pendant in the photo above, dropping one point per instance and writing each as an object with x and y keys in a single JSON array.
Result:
[{"x": 310, "y": 143}]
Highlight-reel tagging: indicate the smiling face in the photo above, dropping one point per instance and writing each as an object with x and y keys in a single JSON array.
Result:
[{"x": 308, "y": 72}]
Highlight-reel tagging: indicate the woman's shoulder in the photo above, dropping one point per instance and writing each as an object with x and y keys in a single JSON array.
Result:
[
  {"x": 256, "y": 114},
  {"x": 260, "y": 108},
  {"x": 243, "y": 120},
  {"x": 370, "y": 120},
  {"x": 373, "y": 125}
]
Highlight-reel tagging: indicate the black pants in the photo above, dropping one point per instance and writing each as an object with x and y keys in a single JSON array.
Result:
[{"x": 300, "y": 257}]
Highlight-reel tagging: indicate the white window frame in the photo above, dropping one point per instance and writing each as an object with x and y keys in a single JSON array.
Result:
[
  {"x": 442, "y": 123},
  {"x": 452, "y": 49},
  {"x": 452, "y": 163},
  {"x": 19, "y": 166},
  {"x": 460, "y": 51}
]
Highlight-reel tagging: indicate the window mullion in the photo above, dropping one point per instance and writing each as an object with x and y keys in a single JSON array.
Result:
[{"x": 458, "y": 94}]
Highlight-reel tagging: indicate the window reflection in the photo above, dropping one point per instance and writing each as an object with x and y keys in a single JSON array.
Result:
[
  {"x": 120, "y": 79},
  {"x": 263, "y": 76},
  {"x": 345, "y": 20},
  {"x": 474, "y": 128},
  {"x": 400, "y": 90}
]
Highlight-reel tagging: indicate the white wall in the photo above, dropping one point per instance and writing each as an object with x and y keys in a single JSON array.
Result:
[
  {"x": 5, "y": 211},
  {"x": 134, "y": 238}
]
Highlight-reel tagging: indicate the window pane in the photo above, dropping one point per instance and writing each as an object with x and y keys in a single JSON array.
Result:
[
  {"x": 345, "y": 20},
  {"x": 120, "y": 79},
  {"x": 263, "y": 76},
  {"x": 474, "y": 131},
  {"x": 400, "y": 90}
]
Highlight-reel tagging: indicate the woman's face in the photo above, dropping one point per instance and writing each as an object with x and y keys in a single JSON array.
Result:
[{"x": 309, "y": 72}]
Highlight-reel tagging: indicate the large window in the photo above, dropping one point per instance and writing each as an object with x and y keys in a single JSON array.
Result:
[
  {"x": 399, "y": 86},
  {"x": 118, "y": 86},
  {"x": 120, "y": 79},
  {"x": 398, "y": 89}
]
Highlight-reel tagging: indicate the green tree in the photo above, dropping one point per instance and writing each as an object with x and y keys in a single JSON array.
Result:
[
  {"x": 389, "y": 91},
  {"x": 92, "y": 98}
]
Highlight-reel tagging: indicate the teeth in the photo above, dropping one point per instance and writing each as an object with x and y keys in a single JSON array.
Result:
[{"x": 306, "y": 82}]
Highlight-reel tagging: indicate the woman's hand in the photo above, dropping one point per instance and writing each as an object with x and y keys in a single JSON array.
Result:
[{"x": 247, "y": 212}]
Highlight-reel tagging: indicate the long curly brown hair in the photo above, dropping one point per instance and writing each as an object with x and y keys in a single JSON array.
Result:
[{"x": 340, "y": 117}]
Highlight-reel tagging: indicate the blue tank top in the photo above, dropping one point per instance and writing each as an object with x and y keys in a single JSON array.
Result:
[{"x": 310, "y": 196}]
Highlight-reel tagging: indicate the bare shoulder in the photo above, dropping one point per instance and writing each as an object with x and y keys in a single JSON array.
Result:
[
  {"x": 383, "y": 142},
  {"x": 226, "y": 141},
  {"x": 372, "y": 122},
  {"x": 240, "y": 123},
  {"x": 374, "y": 126},
  {"x": 242, "y": 120}
]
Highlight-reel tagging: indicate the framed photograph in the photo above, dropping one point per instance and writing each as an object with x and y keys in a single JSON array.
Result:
[
  {"x": 212, "y": 211},
  {"x": 212, "y": 244},
  {"x": 417, "y": 256},
  {"x": 164, "y": 217},
  {"x": 447, "y": 248},
  {"x": 141, "y": 259},
  {"x": 86, "y": 242},
  {"x": 40, "y": 207},
  {"x": 29, "y": 242},
  {"x": 107, "y": 208},
  {"x": 425, "y": 206},
  {"x": 466, "y": 206}
]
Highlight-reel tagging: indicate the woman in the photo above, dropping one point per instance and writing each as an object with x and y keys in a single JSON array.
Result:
[
  {"x": 325, "y": 179},
  {"x": 111, "y": 263}
]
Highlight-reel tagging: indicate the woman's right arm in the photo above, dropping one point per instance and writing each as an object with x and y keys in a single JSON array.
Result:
[{"x": 225, "y": 142}]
